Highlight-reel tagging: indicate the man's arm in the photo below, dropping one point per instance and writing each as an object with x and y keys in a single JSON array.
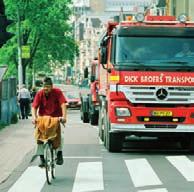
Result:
[
  {"x": 34, "y": 115},
  {"x": 35, "y": 106},
  {"x": 64, "y": 111}
]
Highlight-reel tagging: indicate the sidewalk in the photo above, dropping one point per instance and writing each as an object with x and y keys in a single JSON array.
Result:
[{"x": 16, "y": 140}]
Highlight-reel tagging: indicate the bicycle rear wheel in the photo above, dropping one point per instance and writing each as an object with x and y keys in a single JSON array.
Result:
[{"x": 48, "y": 162}]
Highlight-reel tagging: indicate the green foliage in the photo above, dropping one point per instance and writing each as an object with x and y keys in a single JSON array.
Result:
[
  {"x": 2, "y": 125},
  {"x": 45, "y": 27}
]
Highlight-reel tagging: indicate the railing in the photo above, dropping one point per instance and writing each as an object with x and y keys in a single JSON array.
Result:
[{"x": 8, "y": 100}]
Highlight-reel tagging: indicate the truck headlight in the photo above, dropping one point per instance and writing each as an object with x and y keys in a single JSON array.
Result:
[{"x": 122, "y": 112}]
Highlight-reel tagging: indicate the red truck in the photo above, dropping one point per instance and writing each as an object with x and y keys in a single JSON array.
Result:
[
  {"x": 146, "y": 80},
  {"x": 90, "y": 101}
]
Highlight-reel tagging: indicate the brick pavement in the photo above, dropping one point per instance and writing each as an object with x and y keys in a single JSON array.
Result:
[{"x": 16, "y": 141}]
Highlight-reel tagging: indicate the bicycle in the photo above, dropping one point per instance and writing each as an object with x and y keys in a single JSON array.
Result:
[
  {"x": 50, "y": 159},
  {"x": 50, "y": 156}
]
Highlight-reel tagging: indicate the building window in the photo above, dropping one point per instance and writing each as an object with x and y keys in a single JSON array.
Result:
[
  {"x": 187, "y": 7},
  {"x": 174, "y": 7}
]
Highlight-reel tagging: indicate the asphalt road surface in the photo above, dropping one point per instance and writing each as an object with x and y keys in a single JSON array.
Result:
[{"x": 145, "y": 165}]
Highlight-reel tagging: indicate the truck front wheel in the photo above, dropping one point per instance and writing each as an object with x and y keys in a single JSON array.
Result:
[
  {"x": 115, "y": 142},
  {"x": 112, "y": 141},
  {"x": 188, "y": 143}
]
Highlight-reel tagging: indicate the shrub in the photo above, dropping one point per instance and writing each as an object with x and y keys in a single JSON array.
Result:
[
  {"x": 14, "y": 118},
  {"x": 2, "y": 125}
]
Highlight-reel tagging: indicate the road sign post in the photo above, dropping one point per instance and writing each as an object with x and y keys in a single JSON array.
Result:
[{"x": 25, "y": 52}]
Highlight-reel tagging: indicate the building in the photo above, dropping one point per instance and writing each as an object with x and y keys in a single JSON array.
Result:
[
  {"x": 178, "y": 7},
  {"x": 89, "y": 19},
  {"x": 91, "y": 15}
]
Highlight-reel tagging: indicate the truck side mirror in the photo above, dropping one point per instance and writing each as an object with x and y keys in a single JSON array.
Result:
[
  {"x": 92, "y": 78},
  {"x": 103, "y": 55}
]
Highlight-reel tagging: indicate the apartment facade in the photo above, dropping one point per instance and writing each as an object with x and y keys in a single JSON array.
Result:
[
  {"x": 178, "y": 7},
  {"x": 91, "y": 16}
]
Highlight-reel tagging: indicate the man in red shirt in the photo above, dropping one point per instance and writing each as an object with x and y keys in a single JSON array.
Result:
[{"x": 49, "y": 101}]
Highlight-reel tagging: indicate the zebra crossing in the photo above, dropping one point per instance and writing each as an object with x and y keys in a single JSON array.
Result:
[
  {"x": 183, "y": 165},
  {"x": 139, "y": 169},
  {"x": 90, "y": 177}
]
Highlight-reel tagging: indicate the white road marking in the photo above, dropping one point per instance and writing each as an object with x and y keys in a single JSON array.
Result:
[
  {"x": 142, "y": 173},
  {"x": 82, "y": 157},
  {"x": 32, "y": 180},
  {"x": 183, "y": 165},
  {"x": 155, "y": 190},
  {"x": 89, "y": 177}
]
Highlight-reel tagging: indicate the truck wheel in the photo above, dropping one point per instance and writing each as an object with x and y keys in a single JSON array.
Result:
[
  {"x": 100, "y": 124},
  {"x": 85, "y": 118},
  {"x": 94, "y": 119},
  {"x": 101, "y": 134},
  {"x": 188, "y": 143},
  {"x": 113, "y": 141},
  {"x": 185, "y": 143},
  {"x": 191, "y": 146},
  {"x": 81, "y": 114}
]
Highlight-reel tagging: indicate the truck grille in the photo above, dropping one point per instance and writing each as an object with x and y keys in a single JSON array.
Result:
[
  {"x": 158, "y": 95},
  {"x": 161, "y": 119},
  {"x": 161, "y": 126}
]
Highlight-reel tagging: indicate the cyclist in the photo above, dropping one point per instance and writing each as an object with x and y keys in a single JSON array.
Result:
[{"x": 49, "y": 101}]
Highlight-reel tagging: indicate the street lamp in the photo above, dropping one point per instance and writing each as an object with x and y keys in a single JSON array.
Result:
[{"x": 20, "y": 69}]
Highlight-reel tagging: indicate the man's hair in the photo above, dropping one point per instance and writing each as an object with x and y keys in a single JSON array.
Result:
[{"x": 47, "y": 81}]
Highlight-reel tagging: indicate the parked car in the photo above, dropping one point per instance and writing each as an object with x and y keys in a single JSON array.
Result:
[{"x": 73, "y": 99}]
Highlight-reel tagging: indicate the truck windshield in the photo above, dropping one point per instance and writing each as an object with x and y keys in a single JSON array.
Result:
[{"x": 155, "y": 52}]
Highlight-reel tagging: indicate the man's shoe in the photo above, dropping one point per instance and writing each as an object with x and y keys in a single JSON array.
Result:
[
  {"x": 42, "y": 161},
  {"x": 59, "y": 158}
]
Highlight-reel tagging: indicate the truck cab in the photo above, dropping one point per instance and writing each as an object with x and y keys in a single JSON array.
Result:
[{"x": 149, "y": 91}]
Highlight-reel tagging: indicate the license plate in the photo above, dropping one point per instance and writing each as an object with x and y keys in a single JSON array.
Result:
[{"x": 162, "y": 113}]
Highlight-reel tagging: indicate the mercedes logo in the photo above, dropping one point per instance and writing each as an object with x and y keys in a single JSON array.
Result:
[{"x": 161, "y": 94}]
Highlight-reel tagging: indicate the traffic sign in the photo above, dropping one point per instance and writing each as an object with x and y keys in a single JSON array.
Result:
[{"x": 25, "y": 52}]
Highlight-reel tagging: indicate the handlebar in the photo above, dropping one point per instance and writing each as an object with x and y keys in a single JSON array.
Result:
[
  {"x": 61, "y": 120},
  {"x": 63, "y": 123}
]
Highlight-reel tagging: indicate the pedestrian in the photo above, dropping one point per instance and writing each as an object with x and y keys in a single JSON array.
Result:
[
  {"x": 18, "y": 104},
  {"x": 24, "y": 99},
  {"x": 49, "y": 102}
]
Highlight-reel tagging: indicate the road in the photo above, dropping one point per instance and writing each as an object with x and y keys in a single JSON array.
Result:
[{"x": 89, "y": 167}]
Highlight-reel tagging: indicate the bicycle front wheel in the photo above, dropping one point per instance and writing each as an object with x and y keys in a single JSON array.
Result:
[
  {"x": 53, "y": 164},
  {"x": 48, "y": 162}
]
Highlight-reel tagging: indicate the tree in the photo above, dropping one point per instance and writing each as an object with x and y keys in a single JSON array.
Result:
[
  {"x": 45, "y": 28},
  {"x": 4, "y": 23}
]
